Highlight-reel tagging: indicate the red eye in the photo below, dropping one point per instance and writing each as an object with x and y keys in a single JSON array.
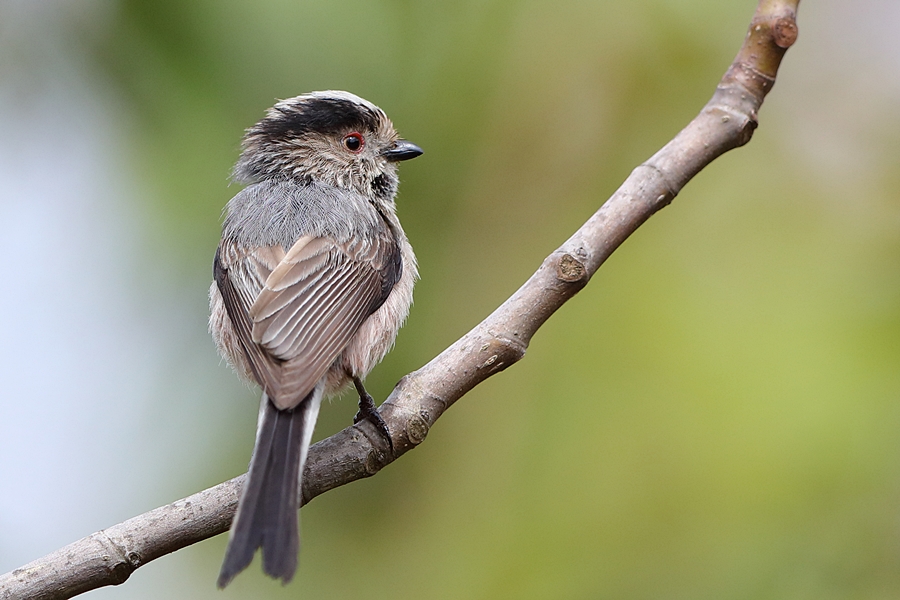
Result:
[{"x": 354, "y": 142}]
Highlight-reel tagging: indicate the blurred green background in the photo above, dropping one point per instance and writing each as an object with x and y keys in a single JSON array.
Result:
[{"x": 714, "y": 416}]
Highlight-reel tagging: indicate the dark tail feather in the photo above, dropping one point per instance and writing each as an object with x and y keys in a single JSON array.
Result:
[{"x": 267, "y": 512}]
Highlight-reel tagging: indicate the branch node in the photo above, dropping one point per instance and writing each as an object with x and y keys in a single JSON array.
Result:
[
  {"x": 119, "y": 572},
  {"x": 122, "y": 566},
  {"x": 570, "y": 270},
  {"x": 785, "y": 32},
  {"x": 501, "y": 351},
  {"x": 372, "y": 464},
  {"x": 671, "y": 188},
  {"x": 416, "y": 429}
]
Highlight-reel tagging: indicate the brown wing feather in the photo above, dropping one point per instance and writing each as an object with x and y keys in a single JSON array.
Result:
[{"x": 313, "y": 303}]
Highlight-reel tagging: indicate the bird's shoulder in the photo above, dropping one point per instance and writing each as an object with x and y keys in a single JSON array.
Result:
[{"x": 279, "y": 212}]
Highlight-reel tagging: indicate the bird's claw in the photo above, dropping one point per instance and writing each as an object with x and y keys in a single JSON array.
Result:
[{"x": 369, "y": 412}]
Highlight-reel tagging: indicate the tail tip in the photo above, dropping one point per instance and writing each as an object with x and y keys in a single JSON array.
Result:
[
  {"x": 284, "y": 567},
  {"x": 227, "y": 573}
]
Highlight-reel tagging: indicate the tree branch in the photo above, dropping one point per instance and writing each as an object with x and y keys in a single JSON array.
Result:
[{"x": 108, "y": 557}]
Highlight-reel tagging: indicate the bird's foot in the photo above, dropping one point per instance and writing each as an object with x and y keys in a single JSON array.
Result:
[{"x": 369, "y": 412}]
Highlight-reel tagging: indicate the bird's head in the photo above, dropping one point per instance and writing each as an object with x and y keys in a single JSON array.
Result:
[{"x": 334, "y": 138}]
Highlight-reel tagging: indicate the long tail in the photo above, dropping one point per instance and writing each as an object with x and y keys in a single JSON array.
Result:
[{"x": 267, "y": 511}]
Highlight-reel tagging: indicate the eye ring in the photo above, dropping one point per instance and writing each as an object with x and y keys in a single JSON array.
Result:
[{"x": 354, "y": 142}]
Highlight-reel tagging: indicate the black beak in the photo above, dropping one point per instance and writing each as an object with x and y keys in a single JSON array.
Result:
[{"x": 401, "y": 150}]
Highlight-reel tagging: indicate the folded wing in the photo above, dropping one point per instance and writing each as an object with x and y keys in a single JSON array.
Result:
[{"x": 296, "y": 311}]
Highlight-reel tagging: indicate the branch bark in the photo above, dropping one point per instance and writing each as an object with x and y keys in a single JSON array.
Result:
[{"x": 727, "y": 121}]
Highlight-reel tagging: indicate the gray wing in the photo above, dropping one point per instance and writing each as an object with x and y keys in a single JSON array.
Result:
[
  {"x": 240, "y": 276},
  {"x": 308, "y": 306}
]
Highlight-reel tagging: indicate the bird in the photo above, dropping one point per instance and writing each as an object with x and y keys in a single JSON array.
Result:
[{"x": 312, "y": 279}]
